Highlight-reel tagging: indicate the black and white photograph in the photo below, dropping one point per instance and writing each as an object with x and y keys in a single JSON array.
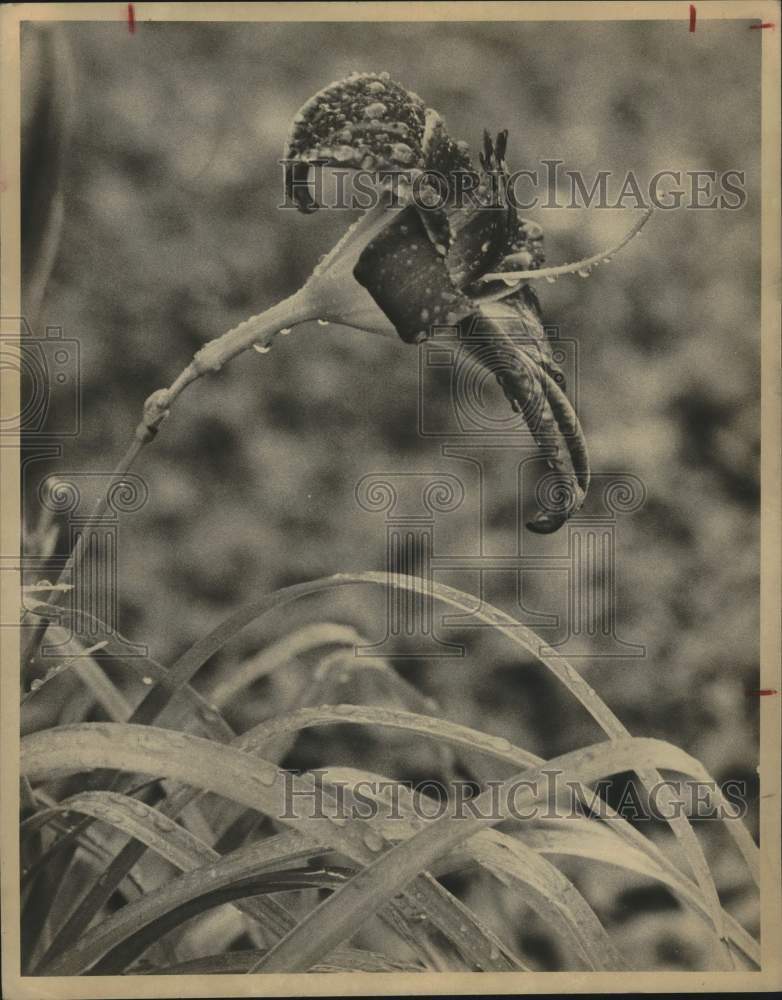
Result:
[{"x": 391, "y": 499}]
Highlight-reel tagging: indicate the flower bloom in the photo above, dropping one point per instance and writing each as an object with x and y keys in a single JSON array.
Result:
[
  {"x": 446, "y": 248},
  {"x": 412, "y": 266}
]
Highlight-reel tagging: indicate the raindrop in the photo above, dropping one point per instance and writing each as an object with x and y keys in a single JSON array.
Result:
[
  {"x": 285, "y": 331},
  {"x": 36, "y": 684},
  {"x": 550, "y": 279},
  {"x": 267, "y": 776},
  {"x": 485, "y": 247},
  {"x": 164, "y": 824},
  {"x": 373, "y": 840},
  {"x": 499, "y": 743},
  {"x": 606, "y": 260},
  {"x": 262, "y": 348},
  {"x": 375, "y": 110},
  {"x": 402, "y": 153},
  {"x": 583, "y": 272},
  {"x": 146, "y": 680},
  {"x": 323, "y": 322}
]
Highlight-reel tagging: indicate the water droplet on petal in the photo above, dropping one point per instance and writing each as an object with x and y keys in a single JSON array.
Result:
[
  {"x": 375, "y": 110},
  {"x": 343, "y": 154},
  {"x": 402, "y": 153}
]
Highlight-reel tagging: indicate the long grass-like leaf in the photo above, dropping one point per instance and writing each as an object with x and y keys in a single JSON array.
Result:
[
  {"x": 191, "y": 661},
  {"x": 160, "y": 833},
  {"x": 545, "y": 888},
  {"x": 254, "y": 885},
  {"x": 307, "y": 638},
  {"x": 337, "y": 918},
  {"x": 257, "y": 784},
  {"x": 456, "y": 734},
  {"x": 263, "y": 856},
  {"x": 574, "y": 835}
]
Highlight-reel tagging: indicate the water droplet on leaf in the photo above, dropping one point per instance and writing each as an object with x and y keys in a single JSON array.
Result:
[{"x": 373, "y": 841}]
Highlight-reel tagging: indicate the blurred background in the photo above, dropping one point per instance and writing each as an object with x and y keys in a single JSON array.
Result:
[{"x": 172, "y": 234}]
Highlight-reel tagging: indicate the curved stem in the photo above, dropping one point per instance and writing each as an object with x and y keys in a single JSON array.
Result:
[{"x": 260, "y": 329}]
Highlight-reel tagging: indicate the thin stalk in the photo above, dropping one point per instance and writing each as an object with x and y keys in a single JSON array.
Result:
[
  {"x": 512, "y": 278},
  {"x": 260, "y": 331}
]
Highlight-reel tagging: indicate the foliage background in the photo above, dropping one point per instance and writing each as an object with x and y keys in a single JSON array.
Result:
[{"x": 172, "y": 235}]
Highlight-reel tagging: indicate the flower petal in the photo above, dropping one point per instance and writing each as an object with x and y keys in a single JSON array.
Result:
[
  {"x": 548, "y": 413},
  {"x": 369, "y": 122},
  {"x": 408, "y": 278}
]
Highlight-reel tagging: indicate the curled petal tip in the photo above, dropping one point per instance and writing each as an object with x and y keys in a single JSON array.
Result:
[
  {"x": 367, "y": 121},
  {"x": 546, "y": 523}
]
